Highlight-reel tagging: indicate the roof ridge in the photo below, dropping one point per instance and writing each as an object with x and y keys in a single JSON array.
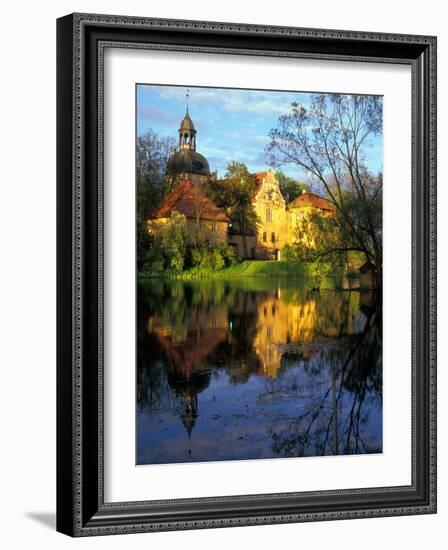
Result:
[
  {"x": 183, "y": 197},
  {"x": 310, "y": 197}
]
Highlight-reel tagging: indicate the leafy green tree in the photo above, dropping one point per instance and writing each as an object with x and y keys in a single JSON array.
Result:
[
  {"x": 314, "y": 235},
  {"x": 328, "y": 140},
  {"x": 172, "y": 239},
  {"x": 153, "y": 258},
  {"x": 168, "y": 247},
  {"x": 152, "y": 153},
  {"x": 235, "y": 194},
  {"x": 289, "y": 187},
  {"x": 236, "y": 169},
  {"x": 216, "y": 258}
]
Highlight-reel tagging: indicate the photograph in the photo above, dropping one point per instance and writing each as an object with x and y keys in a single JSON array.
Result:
[{"x": 259, "y": 261}]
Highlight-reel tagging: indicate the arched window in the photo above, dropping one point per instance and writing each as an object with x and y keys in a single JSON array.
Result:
[
  {"x": 186, "y": 137},
  {"x": 265, "y": 237},
  {"x": 268, "y": 215},
  {"x": 272, "y": 237}
]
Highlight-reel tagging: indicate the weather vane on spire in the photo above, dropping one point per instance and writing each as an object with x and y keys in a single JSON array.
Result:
[{"x": 187, "y": 96}]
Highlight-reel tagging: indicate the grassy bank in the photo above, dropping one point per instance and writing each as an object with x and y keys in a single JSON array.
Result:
[{"x": 318, "y": 275}]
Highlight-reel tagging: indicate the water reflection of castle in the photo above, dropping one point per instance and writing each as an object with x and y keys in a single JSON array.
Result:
[
  {"x": 186, "y": 351},
  {"x": 249, "y": 334},
  {"x": 301, "y": 325}
]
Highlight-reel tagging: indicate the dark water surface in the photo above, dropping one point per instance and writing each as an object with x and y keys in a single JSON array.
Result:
[{"x": 256, "y": 368}]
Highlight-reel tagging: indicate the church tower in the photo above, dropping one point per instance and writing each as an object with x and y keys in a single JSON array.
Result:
[
  {"x": 186, "y": 162},
  {"x": 187, "y": 133}
]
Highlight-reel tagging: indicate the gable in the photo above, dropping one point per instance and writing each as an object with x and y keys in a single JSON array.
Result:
[{"x": 268, "y": 189}]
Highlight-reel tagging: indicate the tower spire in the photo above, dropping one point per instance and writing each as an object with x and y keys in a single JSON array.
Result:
[{"x": 187, "y": 131}]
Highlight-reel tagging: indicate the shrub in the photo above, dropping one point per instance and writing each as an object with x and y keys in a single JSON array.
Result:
[
  {"x": 169, "y": 246},
  {"x": 205, "y": 257},
  {"x": 229, "y": 254},
  {"x": 297, "y": 252},
  {"x": 194, "y": 256},
  {"x": 217, "y": 259},
  {"x": 154, "y": 261},
  {"x": 198, "y": 256},
  {"x": 173, "y": 240}
]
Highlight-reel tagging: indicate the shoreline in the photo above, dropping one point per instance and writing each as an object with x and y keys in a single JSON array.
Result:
[{"x": 322, "y": 276}]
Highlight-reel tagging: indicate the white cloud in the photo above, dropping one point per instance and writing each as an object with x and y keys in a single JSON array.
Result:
[{"x": 233, "y": 101}]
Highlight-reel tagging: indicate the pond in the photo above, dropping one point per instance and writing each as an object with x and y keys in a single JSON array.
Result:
[{"x": 256, "y": 368}]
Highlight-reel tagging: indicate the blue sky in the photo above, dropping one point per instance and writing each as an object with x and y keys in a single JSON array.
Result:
[{"x": 231, "y": 124}]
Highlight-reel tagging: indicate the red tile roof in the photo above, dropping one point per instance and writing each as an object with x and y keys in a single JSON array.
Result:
[
  {"x": 311, "y": 199},
  {"x": 190, "y": 201}
]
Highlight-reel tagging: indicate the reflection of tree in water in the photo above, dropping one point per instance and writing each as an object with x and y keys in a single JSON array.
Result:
[
  {"x": 321, "y": 352},
  {"x": 216, "y": 333},
  {"x": 236, "y": 354},
  {"x": 341, "y": 388}
]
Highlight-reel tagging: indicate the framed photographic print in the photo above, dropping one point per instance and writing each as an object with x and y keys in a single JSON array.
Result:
[{"x": 246, "y": 274}]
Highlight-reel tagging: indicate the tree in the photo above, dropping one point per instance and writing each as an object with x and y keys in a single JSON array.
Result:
[
  {"x": 172, "y": 239},
  {"x": 236, "y": 169},
  {"x": 235, "y": 194},
  {"x": 289, "y": 187},
  {"x": 152, "y": 155},
  {"x": 329, "y": 140},
  {"x": 313, "y": 234}
]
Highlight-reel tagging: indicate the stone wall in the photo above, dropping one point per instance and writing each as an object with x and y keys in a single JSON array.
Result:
[
  {"x": 237, "y": 241},
  {"x": 210, "y": 232}
]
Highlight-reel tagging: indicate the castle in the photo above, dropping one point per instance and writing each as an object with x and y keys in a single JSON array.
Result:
[{"x": 278, "y": 222}]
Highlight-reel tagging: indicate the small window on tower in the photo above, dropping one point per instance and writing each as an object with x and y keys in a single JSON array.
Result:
[{"x": 268, "y": 215}]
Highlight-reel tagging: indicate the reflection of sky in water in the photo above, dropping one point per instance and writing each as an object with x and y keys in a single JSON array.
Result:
[{"x": 246, "y": 373}]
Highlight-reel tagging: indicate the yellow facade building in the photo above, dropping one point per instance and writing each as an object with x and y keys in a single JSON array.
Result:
[
  {"x": 269, "y": 237},
  {"x": 278, "y": 223}
]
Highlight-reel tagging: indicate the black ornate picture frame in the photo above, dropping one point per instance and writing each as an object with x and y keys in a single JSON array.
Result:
[{"x": 81, "y": 508}]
